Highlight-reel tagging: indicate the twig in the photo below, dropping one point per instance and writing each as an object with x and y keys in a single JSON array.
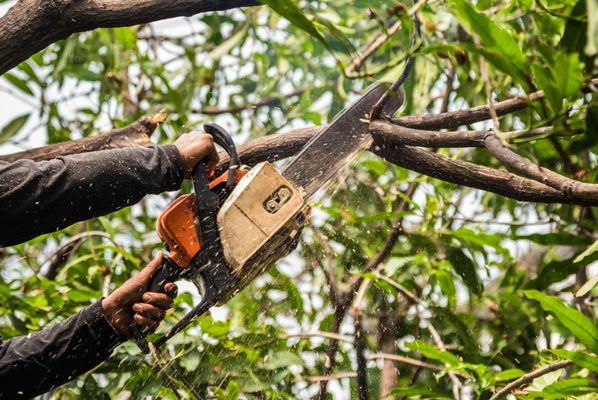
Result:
[
  {"x": 268, "y": 101},
  {"x": 410, "y": 361},
  {"x": 403, "y": 290},
  {"x": 401, "y": 135},
  {"x": 371, "y": 48},
  {"x": 527, "y": 378},
  {"x": 440, "y": 344},
  {"x": 328, "y": 378},
  {"x": 488, "y": 89},
  {"x": 328, "y": 335},
  {"x": 455, "y": 119},
  {"x": 362, "y": 372}
]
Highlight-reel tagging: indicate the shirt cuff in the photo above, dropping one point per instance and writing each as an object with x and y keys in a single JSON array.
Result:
[
  {"x": 101, "y": 327},
  {"x": 178, "y": 166}
]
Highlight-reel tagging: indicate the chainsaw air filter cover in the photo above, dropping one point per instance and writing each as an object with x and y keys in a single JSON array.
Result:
[{"x": 263, "y": 206}]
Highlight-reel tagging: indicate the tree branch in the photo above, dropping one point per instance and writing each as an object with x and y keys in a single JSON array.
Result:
[
  {"x": 31, "y": 25},
  {"x": 455, "y": 119},
  {"x": 527, "y": 378},
  {"x": 570, "y": 187},
  {"x": 134, "y": 135},
  {"x": 283, "y": 145},
  {"x": 401, "y": 135}
]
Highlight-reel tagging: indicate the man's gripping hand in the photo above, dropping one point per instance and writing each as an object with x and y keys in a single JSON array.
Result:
[
  {"x": 132, "y": 303},
  {"x": 194, "y": 147}
]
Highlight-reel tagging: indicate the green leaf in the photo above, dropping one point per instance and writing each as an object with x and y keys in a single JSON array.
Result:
[
  {"x": 81, "y": 296},
  {"x": 587, "y": 253},
  {"x": 282, "y": 359},
  {"x": 125, "y": 37},
  {"x": 445, "y": 281},
  {"x": 434, "y": 353},
  {"x": 589, "y": 285},
  {"x": 289, "y": 10},
  {"x": 555, "y": 238},
  {"x": 575, "y": 35},
  {"x": 509, "y": 374},
  {"x": 466, "y": 269},
  {"x": 563, "y": 389},
  {"x": 554, "y": 271},
  {"x": 581, "y": 327},
  {"x": 478, "y": 238},
  {"x": 228, "y": 44},
  {"x": 13, "y": 127},
  {"x": 584, "y": 360},
  {"x": 19, "y": 83},
  {"x": 500, "y": 46},
  {"x": 561, "y": 80}
]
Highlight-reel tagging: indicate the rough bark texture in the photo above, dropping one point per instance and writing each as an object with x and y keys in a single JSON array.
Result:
[
  {"x": 32, "y": 25},
  {"x": 136, "y": 134},
  {"x": 455, "y": 119}
]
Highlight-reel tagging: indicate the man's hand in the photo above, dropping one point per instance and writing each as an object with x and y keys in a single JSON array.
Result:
[
  {"x": 131, "y": 302},
  {"x": 196, "y": 146}
]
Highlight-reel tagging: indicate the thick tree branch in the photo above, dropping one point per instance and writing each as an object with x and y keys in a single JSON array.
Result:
[
  {"x": 32, "y": 25},
  {"x": 455, "y": 119},
  {"x": 475, "y": 176},
  {"x": 136, "y": 134},
  {"x": 570, "y": 187},
  {"x": 283, "y": 145},
  {"x": 402, "y": 135}
]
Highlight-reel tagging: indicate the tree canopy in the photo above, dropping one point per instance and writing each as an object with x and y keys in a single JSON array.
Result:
[{"x": 455, "y": 259}]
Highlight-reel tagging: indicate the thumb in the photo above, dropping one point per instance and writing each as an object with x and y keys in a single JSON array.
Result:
[{"x": 151, "y": 268}]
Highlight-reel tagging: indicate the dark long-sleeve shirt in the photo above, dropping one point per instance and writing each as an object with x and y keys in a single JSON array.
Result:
[
  {"x": 34, "y": 364},
  {"x": 41, "y": 197}
]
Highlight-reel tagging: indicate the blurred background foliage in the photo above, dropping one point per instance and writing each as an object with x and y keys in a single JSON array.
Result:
[{"x": 508, "y": 286}]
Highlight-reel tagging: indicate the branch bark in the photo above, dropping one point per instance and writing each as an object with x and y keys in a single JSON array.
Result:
[
  {"x": 579, "y": 190},
  {"x": 401, "y": 135},
  {"x": 31, "y": 25},
  {"x": 136, "y": 134}
]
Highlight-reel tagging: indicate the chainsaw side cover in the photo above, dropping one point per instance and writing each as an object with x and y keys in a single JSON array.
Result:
[
  {"x": 176, "y": 228},
  {"x": 261, "y": 204}
]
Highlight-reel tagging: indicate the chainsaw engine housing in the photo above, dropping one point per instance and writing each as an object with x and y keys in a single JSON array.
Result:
[{"x": 263, "y": 206}]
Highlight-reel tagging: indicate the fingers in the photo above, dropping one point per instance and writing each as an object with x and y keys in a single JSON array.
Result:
[
  {"x": 147, "y": 324},
  {"x": 151, "y": 268},
  {"x": 152, "y": 311},
  {"x": 159, "y": 300},
  {"x": 196, "y": 146},
  {"x": 171, "y": 289},
  {"x": 149, "y": 311}
]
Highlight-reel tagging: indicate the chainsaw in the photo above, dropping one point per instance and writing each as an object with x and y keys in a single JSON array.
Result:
[{"x": 235, "y": 225}]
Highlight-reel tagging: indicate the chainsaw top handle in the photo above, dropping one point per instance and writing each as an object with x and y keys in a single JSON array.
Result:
[{"x": 224, "y": 140}]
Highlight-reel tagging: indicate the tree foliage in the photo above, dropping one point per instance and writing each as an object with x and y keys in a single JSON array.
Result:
[{"x": 480, "y": 288}]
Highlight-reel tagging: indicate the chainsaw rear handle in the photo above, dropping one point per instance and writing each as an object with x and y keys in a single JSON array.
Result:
[{"x": 168, "y": 272}]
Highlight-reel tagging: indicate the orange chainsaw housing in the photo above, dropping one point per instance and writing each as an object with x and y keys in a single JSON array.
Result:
[{"x": 176, "y": 224}]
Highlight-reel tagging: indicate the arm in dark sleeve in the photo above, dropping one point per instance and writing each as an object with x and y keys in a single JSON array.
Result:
[
  {"x": 34, "y": 364},
  {"x": 42, "y": 197}
]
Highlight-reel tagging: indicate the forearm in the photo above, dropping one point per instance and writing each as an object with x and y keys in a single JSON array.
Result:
[
  {"x": 42, "y": 197},
  {"x": 34, "y": 364}
]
